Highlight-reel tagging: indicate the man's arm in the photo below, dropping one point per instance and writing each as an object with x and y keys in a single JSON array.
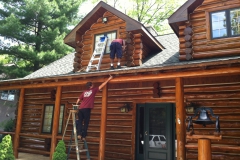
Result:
[
  {"x": 104, "y": 83},
  {"x": 78, "y": 100}
]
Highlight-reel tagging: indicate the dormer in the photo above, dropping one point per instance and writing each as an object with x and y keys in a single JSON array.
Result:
[
  {"x": 106, "y": 20},
  {"x": 207, "y": 29}
]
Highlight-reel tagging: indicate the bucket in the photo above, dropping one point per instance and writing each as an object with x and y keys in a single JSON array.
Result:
[
  {"x": 75, "y": 107},
  {"x": 102, "y": 39}
]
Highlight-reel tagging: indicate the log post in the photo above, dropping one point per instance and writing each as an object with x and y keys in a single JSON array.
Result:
[
  {"x": 19, "y": 122},
  {"x": 180, "y": 120},
  {"x": 56, "y": 120},
  {"x": 101, "y": 153},
  {"x": 204, "y": 149}
]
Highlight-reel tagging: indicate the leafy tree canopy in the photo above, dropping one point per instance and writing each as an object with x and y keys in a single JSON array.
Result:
[{"x": 33, "y": 32}]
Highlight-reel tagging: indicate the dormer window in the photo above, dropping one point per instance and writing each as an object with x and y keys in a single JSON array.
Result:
[
  {"x": 111, "y": 36},
  {"x": 225, "y": 23}
]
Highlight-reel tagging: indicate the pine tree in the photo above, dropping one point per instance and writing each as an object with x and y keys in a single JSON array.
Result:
[
  {"x": 33, "y": 31},
  {"x": 60, "y": 151}
]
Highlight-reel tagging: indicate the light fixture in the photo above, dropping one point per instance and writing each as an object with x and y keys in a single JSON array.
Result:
[
  {"x": 203, "y": 118},
  {"x": 104, "y": 20},
  {"x": 125, "y": 108}
]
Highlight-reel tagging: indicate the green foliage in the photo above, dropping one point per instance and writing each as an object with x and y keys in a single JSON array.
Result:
[
  {"x": 7, "y": 125},
  {"x": 34, "y": 30},
  {"x": 60, "y": 151},
  {"x": 6, "y": 150}
]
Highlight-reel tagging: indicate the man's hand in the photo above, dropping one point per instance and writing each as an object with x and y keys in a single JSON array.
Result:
[{"x": 110, "y": 77}]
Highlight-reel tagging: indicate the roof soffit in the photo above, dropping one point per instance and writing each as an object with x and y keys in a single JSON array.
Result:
[{"x": 181, "y": 15}]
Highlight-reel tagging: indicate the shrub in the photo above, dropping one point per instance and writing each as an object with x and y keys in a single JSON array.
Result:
[
  {"x": 60, "y": 151},
  {"x": 8, "y": 125},
  {"x": 6, "y": 150}
]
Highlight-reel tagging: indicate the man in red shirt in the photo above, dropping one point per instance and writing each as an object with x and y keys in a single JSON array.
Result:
[
  {"x": 87, "y": 103},
  {"x": 116, "y": 47}
]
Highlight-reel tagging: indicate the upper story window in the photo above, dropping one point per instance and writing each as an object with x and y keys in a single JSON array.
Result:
[
  {"x": 48, "y": 118},
  {"x": 111, "y": 36},
  {"x": 225, "y": 23}
]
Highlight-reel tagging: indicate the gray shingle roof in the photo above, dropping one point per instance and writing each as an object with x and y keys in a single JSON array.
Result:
[
  {"x": 58, "y": 67},
  {"x": 167, "y": 57}
]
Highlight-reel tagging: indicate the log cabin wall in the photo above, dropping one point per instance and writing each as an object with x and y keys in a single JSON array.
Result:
[
  {"x": 222, "y": 95},
  {"x": 219, "y": 93},
  {"x": 119, "y": 142},
  {"x": 32, "y": 121},
  {"x": 196, "y": 43},
  {"x": 132, "y": 56}
]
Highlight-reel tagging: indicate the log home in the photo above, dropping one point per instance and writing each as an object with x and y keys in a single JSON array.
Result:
[{"x": 165, "y": 79}]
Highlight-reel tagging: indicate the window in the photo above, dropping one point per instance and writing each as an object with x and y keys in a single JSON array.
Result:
[
  {"x": 225, "y": 23},
  {"x": 8, "y": 95},
  {"x": 48, "y": 118},
  {"x": 111, "y": 36}
]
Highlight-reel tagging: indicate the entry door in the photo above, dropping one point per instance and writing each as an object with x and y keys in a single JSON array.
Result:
[{"x": 155, "y": 131}]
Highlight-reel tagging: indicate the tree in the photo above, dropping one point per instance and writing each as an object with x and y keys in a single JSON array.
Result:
[
  {"x": 148, "y": 12},
  {"x": 6, "y": 149},
  {"x": 33, "y": 32},
  {"x": 60, "y": 151}
]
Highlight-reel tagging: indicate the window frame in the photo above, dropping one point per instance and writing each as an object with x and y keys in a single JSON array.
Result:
[
  {"x": 53, "y": 107},
  {"x": 208, "y": 23},
  {"x": 104, "y": 33},
  {"x": 228, "y": 23}
]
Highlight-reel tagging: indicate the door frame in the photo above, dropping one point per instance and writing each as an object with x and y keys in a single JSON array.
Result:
[{"x": 134, "y": 117}]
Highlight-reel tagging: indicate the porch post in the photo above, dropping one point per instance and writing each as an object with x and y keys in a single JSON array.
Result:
[
  {"x": 56, "y": 114},
  {"x": 180, "y": 120},
  {"x": 101, "y": 153},
  {"x": 19, "y": 122}
]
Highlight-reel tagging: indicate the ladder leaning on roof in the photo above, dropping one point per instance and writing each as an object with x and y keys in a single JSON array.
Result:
[
  {"x": 72, "y": 114},
  {"x": 97, "y": 54}
]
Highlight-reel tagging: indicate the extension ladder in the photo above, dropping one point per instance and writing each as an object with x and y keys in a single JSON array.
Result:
[
  {"x": 74, "y": 136},
  {"x": 97, "y": 54}
]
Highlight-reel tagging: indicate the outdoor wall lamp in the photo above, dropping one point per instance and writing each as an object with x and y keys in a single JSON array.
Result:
[
  {"x": 126, "y": 108},
  {"x": 104, "y": 20},
  {"x": 203, "y": 118}
]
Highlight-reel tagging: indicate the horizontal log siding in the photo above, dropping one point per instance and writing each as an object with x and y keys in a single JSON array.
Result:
[
  {"x": 32, "y": 119},
  {"x": 203, "y": 46},
  {"x": 219, "y": 93},
  {"x": 85, "y": 48}
]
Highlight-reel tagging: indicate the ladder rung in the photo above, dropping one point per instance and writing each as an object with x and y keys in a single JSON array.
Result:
[
  {"x": 91, "y": 66},
  {"x": 83, "y": 150},
  {"x": 94, "y": 59}
]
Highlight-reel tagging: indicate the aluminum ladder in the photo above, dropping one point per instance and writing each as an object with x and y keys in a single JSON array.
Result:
[
  {"x": 74, "y": 136},
  {"x": 97, "y": 54}
]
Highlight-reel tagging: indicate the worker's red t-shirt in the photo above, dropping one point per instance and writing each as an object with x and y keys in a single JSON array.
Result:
[{"x": 87, "y": 98}]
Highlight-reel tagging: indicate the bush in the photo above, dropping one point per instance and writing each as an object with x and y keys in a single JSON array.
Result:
[
  {"x": 60, "y": 151},
  {"x": 6, "y": 150},
  {"x": 7, "y": 125}
]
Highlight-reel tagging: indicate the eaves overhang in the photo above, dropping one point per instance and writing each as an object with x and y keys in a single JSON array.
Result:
[
  {"x": 177, "y": 70},
  {"x": 182, "y": 14}
]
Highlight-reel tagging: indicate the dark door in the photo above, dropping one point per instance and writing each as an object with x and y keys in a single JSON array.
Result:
[{"x": 155, "y": 131}]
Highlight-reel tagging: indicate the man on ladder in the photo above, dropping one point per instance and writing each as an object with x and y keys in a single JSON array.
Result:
[{"x": 87, "y": 103}]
